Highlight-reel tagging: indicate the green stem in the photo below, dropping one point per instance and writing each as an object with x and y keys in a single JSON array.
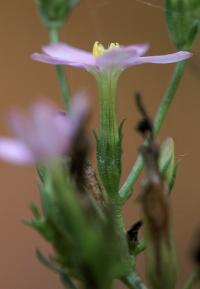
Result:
[
  {"x": 109, "y": 155},
  {"x": 117, "y": 211},
  {"x": 64, "y": 87},
  {"x": 193, "y": 280},
  {"x": 108, "y": 143},
  {"x": 133, "y": 281},
  {"x": 127, "y": 188}
]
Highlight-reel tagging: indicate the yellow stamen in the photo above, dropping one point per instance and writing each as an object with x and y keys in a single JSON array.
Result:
[
  {"x": 98, "y": 48},
  {"x": 113, "y": 45}
]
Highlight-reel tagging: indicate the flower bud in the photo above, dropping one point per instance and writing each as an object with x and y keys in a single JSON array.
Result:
[
  {"x": 53, "y": 12},
  {"x": 183, "y": 18},
  {"x": 167, "y": 163}
]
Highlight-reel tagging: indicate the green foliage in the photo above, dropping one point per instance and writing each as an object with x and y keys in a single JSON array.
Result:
[
  {"x": 41, "y": 172},
  {"x": 85, "y": 244},
  {"x": 54, "y": 12},
  {"x": 183, "y": 19},
  {"x": 40, "y": 224},
  {"x": 65, "y": 278}
]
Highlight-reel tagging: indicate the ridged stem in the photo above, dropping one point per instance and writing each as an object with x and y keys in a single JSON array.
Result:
[{"x": 108, "y": 143}]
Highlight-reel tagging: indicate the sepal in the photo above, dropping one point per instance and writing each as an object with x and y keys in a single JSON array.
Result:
[{"x": 167, "y": 162}]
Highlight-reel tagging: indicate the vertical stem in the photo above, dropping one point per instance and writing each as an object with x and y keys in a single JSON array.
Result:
[
  {"x": 64, "y": 87},
  {"x": 109, "y": 155},
  {"x": 128, "y": 260},
  {"x": 169, "y": 96},
  {"x": 127, "y": 188},
  {"x": 108, "y": 144}
]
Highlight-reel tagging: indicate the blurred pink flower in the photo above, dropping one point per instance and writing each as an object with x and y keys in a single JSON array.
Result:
[
  {"x": 114, "y": 58},
  {"x": 43, "y": 134}
]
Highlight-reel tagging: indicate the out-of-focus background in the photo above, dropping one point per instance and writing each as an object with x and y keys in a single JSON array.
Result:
[{"x": 22, "y": 81}]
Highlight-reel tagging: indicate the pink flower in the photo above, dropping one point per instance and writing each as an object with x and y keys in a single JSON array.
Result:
[
  {"x": 114, "y": 58},
  {"x": 42, "y": 134}
]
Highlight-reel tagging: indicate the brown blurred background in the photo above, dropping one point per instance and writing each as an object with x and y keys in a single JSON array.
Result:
[{"x": 22, "y": 81}]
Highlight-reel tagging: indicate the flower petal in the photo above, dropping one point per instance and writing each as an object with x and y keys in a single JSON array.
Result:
[
  {"x": 60, "y": 53},
  {"x": 67, "y": 52},
  {"x": 162, "y": 59},
  {"x": 14, "y": 151},
  {"x": 48, "y": 137},
  {"x": 48, "y": 59},
  {"x": 119, "y": 57},
  {"x": 139, "y": 49}
]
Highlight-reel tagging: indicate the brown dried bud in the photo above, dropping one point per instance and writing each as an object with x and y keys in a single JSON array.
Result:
[{"x": 155, "y": 206}]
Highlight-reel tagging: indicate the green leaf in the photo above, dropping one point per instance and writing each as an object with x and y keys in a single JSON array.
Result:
[
  {"x": 41, "y": 171},
  {"x": 45, "y": 261},
  {"x": 35, "y": 211}
]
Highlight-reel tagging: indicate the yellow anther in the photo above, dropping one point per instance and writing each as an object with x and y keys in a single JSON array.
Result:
[
  {"x": 98, "y": 49},
  {"x": 113, "y": 45}
]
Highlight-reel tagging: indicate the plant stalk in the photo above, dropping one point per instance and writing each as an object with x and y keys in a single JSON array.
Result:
[{"x": 64, "y": 87}]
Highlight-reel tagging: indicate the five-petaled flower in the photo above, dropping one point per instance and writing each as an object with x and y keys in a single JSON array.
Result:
[
  {"x": 43, "y": 134},
  {"x": 115, "y": 58}
]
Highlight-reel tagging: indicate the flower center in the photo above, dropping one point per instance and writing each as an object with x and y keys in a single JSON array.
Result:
[{"x": 99, "y": 49}]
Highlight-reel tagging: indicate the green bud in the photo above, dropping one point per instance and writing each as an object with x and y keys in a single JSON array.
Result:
[
  {"x": 183, "y": 20},
  {"x": 54, "y": 12},
  {"x": 167, "y": 163},
  {"x": 76, "y": 232}
]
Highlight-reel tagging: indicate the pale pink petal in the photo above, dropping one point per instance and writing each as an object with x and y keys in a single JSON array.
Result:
[
  {"x": 47, "y": 136},
  {"x": 55, "y": 61},
  {"x": 16, "y": 152},
  {"x": 162, "y": 59},
  {"x": 60, "y": 53},
  {"x": 18, "y": 124},
  {"x": 79, "y": 111},
  {"x": 119, "y": 57},
  {"x": 49, "y": 59},
  {"x": 42, "y": 134},
  {"x": 69, "y": 53},
  {"x": 139, "y": 49},
  {"x": 116, "y": 59}
]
